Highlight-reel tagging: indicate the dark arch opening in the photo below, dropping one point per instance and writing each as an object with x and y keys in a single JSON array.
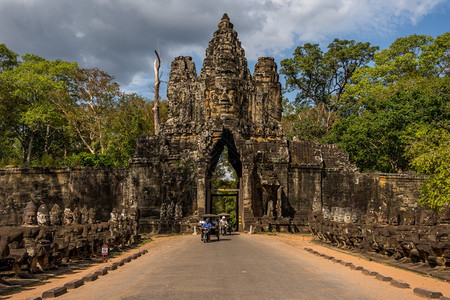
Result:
[{"x": 226, "y": 141}]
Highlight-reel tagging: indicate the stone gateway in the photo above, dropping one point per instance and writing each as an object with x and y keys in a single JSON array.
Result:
[
  {"x": 283, "y": 185},
  {"x": 280, "y": 181}
]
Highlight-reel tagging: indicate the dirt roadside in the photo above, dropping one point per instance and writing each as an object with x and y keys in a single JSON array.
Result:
[
  {"x": 298, "y": 241},
  {"x": 58, "y": 281},
  {"x": 414, "y": 279}
]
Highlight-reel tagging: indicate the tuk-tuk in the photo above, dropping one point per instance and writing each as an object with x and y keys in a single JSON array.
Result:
[{"x": 207, "y": 233}]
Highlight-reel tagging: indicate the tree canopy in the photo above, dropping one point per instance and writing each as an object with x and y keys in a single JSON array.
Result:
[
  {"x": 53, "y": 113},
  {"x": 390, "y": 110}
]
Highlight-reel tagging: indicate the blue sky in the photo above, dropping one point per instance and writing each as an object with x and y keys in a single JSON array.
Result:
[{"x": 120, "y": 36}]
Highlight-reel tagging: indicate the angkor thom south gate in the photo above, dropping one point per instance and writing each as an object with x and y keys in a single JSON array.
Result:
[
  {"x": 280, "y": 181},
  {"x": 169, "y": 178}
]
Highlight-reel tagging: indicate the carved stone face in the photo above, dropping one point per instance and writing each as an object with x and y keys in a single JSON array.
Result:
[
  {"x": 114, "y": 216},
  {"x": 29, "y": 218},
  {"x": 68, "y": 216},
  {"x": 354, "y": 218},
  {"x": 347, "y": 217},
  {"x": 43, "y": 218},
  {"x": 326, "y": 213},
  {"x": 55, "y": 218},
  {"x": 92, "y": 216}
]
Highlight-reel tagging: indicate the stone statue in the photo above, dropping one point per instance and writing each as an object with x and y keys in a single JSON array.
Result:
[
  {"x": 84, "y": 215},
  {"x": 178, "y": 210},
  {"x": 114, "y": 216},
  {"x": 171, "y": 210},
  {"x": 270, "y": 208},
  {"x": 76, "y": 216},
  {"x": 340, "y": 214},
  {"x": 43, "y": 216},
  {"x": 92, "y": 216},
  {"x": 68, "y": 216},
  {"x": 326, "y": 213},
  {"x": 347, "y": 216},
  {"x": 354, "y": 217},
  {"x": 55, "y": 215},
  {"x": 163, "y": 210},
  {"x": 29, "y": 214}
]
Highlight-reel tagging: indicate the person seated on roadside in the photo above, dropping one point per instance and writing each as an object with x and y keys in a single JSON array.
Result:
[{"x": 207, "y": 224}]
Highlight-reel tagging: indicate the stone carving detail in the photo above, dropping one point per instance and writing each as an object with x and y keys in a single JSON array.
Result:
[
  {"x": 30, "y": 215},
  {"x": 426, "y": 242},
  {"x": 43, "y": 216},
  {"x": 55, "y": 215},
  {"x": 35, "y": 249}
]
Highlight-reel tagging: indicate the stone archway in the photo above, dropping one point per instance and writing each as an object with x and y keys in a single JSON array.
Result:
[
  {"x": 226, "y": 140},
  {"x": 227, "y": 106}
]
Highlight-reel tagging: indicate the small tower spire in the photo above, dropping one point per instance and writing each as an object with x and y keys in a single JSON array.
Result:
[{"x": 225, "y": 22}]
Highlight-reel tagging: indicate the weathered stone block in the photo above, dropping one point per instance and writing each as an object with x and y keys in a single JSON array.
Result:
[
  {"x": 90, "y": 277},
  {"x": 427, "y": 293},
  {"x": 369, "y": 272},
  {"x": 383, "y": 277},
  {"x": 400, "y": 284},
  {"x": 73, "y": 284},
  {"x": 54, "y": 292}
]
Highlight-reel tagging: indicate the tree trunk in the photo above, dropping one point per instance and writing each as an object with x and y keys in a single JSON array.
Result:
[
  {"x": 156, "y": 65},
  {"x": 30, "y": 147},
  {"x": 47, "y": 136}
]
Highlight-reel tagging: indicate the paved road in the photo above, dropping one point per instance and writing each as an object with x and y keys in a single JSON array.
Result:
[{"x": 236, "y": 267}]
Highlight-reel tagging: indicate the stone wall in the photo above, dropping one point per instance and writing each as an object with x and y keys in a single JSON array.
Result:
[
  {"x": 384, "y": 217},
  {"x": 100, "y": 188}
]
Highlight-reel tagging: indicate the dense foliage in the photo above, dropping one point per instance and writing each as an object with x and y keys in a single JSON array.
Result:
[
  {"x": 393, "y": 112},
  {"x": 53, "y": 113},
  {"x": 224, "y": 177}
]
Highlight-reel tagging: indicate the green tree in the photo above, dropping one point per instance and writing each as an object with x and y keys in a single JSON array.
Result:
[
  {"x": 429, "y": 150},
  {"x": 88, "y": 107},
  {"x": 224, "y": 177},
  {"x": 320, "y": 80},
  {"x": 132, "y": 116},
  {"x": 31, "y": 118},
  {"x": 406, "y": 85},
  {"x": 8, "y": 59}
]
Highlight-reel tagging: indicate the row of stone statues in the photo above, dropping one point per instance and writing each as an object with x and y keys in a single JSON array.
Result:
[
  {"x": 47, "y": 239},
  {"x": 421, "y": 241}
]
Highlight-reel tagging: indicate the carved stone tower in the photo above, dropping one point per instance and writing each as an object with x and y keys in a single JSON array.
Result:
[{"x": 225, "y": 106}]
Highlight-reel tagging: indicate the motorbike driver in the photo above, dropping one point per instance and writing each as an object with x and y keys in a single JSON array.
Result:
[
  {"x": 223, "y": 224},
  {"x": 207, "y": 224}
]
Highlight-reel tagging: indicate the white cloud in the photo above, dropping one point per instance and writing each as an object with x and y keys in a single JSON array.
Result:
[{"x": 120, "y": 36}]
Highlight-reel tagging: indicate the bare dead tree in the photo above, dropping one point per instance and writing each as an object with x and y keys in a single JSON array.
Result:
[{"x": 156, "y": 65}]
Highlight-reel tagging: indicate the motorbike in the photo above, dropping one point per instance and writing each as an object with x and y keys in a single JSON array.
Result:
[{"x": 206, "y": 235}]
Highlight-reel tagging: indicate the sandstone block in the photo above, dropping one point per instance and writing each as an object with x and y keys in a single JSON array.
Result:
[
  {"x": 383, "y": 277},
  {"x": 428, "y": 293},
  {"x": 73, "y": 284},
  {"x": 90, "y": 277},
  {"x": 54, "y": 292},
  {"x": 400, "y": 284}
]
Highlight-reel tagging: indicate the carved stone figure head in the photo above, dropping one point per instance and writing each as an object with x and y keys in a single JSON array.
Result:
[
  {"x": 347, "y": 217},
  {"x": 29, "y": 214},
  {"x": 55, "y": 215},
  {"x": 43, "y": 216},
  {"x": 114, "y": 216},
  {"x": 355, "y": 217},
  {"x": 326, "y": 213},
  {"x": 68, "y": 216},
  {"x": 84, "y": 215},
  {"x": 92, "y": 216},
  {"x": 77, "y": 216}
]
